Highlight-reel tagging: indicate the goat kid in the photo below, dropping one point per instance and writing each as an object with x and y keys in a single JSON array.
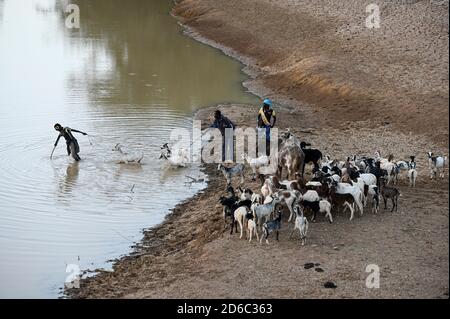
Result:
[
  {"x": 342, "y": 200},
  {"x": 374, "y": 195},
  {"x": 322, "y": 206},
  {"x": 355, "y": 191},
  {"x": 251, "y": 227},
  {"x": 270, "y": 227},
  {"x": 301, "y": 223}
]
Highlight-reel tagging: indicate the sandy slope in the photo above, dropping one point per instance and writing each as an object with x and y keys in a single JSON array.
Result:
[
  {"x": 361, "y": 91},
  {"x": 320, "y": 52}
]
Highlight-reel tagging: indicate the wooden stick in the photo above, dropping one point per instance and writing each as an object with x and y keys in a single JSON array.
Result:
[{"x": 51, "y": 155}]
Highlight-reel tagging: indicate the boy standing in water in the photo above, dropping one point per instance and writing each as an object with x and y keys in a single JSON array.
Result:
[{"x": 72, "y": 143}]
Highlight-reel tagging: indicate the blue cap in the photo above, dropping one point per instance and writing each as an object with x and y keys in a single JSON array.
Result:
[{"x": 268, "y": 102}]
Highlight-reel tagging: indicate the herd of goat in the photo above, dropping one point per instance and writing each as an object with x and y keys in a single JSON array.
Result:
[{"x": 335, "y": 186}]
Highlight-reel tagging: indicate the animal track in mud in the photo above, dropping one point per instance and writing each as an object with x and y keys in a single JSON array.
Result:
[
  {"x": 318, "y": 269},
  {"x": 330, "y": 285},
  {"x": 308, "y": 265},
  {"x": 313, "y": 265}
]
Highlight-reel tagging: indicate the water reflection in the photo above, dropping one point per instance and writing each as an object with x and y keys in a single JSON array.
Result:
[
  {"x": 70, "y": 178},
  {"x": 135, "y": 54}
]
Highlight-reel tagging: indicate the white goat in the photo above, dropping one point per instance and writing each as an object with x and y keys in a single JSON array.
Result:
[
  {"x": 311, "y": 196},
  {"x": 368, "y": 178},
  {"x": 256, "y": 198},
  {"x": 251, "y": 229},
  {"x": 325, "y": 208},
  {"x": 387, "y": 165},
  {"x": 290, "y": 198},
  {"x": 256, "y": 163},
  {"x": 401, "y": 167},
  {"x": 313, "y": 184},
  {"x": 177, "y": 158},
  {"x": 412, "y": 175},
  {"x": 268, "y": 187},
  {"x": 239, "y": 217},
  {"x": 265, "y": 190},
  {"x": 301, "y": 223},
  {"x": 412, "y": 172},
  {"x": 437, "y": 165},
  {"x": 363, "y": 180},
  {"x": 355, "y": 191},
  {"x": 268, "y": 199},
  {"x": 374, "y": 195},
  {"x": 336, "y": 178},
  {"x": 127, "y": 157}
]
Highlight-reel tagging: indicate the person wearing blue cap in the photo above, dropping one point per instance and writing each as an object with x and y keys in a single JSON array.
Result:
[{"x": 267, "y": 119}]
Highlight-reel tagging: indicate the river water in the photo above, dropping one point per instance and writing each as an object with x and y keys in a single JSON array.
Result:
[{"x": 126, "y": 75}]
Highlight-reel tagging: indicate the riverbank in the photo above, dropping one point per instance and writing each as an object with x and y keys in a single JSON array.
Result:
[
  {"x": 321, "y": 54},
  {"x": 342, "y": 108}
]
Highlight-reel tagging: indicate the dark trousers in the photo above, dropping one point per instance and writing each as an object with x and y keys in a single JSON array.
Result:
[
  {"x": 267, "y": 128},
  {"x": 73, "y": 149}
]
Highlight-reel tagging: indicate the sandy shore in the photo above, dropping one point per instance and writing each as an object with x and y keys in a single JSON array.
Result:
[
  {"x": 320, "y": 53},
  {"x": 347, "y": 90}
]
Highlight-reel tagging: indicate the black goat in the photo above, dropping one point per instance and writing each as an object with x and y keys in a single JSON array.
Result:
[
  {"x": 353, "y": 173},
  {"x": 336, "y": 170},
  {"x": 230, "y": 204},
  {"x": 389, "y": 192},
  {"x": 375, "y": 169},
  {"x": 311, "y": 156},
  {"x": 313, "y": 206}
]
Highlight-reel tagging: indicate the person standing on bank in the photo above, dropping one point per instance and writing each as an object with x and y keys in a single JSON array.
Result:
[
  {"x": 72, "y": 144},
  {"x": 267, "y": 119},
  {"x": 222, "y": 122}
]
